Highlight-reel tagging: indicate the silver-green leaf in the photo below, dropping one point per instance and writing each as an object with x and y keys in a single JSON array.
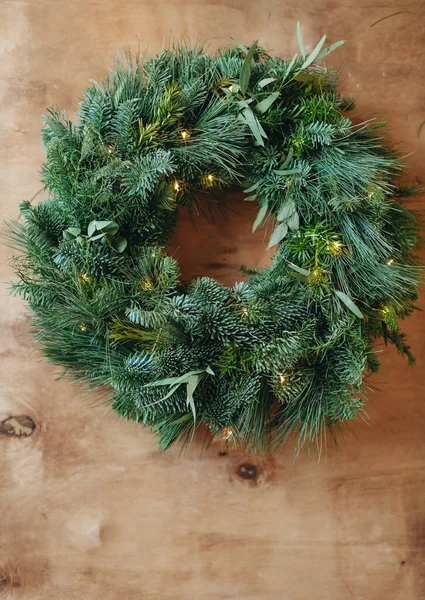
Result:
[
  {"x": 293, "y": 221},
  {"x": 278, "y": 234},
  {"x": 300, "y": 270},
  {"x": 246, "y": 69},
  {"x": 265, "y": 104},
  {"x": 286, "y": 211},
  {"x": 349, "y": 303},
  {"x": 300, "y": 40},
  {"x": 260, "y": 216}
]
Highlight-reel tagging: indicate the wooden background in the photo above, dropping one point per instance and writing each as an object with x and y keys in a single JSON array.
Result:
[{"x": 89, "y": 509}]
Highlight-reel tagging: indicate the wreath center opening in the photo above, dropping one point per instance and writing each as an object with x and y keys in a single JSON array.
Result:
[{"x": 215, "y": 238}]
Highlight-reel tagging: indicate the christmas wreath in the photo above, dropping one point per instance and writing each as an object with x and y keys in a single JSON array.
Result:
[{"x": 284, "y": 351}]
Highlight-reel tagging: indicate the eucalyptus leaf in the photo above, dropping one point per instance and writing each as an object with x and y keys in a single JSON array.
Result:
[
  {"x": 244, "y": 77},
  {"x": 305, "y": 77},
  {"x": 299, "y": 276},
  {"x": 293, "y": 221},
  {"x": 330, "y": 49},
  {"x": 246, "y": 69},
  {"x": 252, "y": 122},
  {"x": 174, "y": 380},
  {"x": 300, "y": 270},
  {"x": 300, "y": 40},
  {"x": 251, "y": 188},
  {"x": 288, "y": 158},
  {"x": 91, "y": 228},
  {"x": 349, "y": 303},
  {"x": 311, "y": 57},
  {"x": 266, "y": 81},
  {"x": 182, "y": 419},
  {"x": 287, "y": 171},
  {"x": 265, "y": 104},
  {"x": 260, "y": 216},
  {"x": 159, "y": 382},
  {"x": 119, "y": 243},
  {"x": 170, "y": 392},
  {"x": 286, "y": 211},
  {"x": 289, "y": 67},
  {"x": 111, "y": 229},
  {"x": 98, "y": 236},
  {"x": 71, "y": 233},
  {"x": 192, "y": 384},
  {"x": 103, "y": 225},
  {"x": 244, "y": 103},
  {"x": 240, "y": 46},
  {"x": 278, "y": 234}
]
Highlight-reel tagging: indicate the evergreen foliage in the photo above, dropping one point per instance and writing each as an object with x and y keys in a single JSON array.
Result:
[{"x": 285, "y": 352}]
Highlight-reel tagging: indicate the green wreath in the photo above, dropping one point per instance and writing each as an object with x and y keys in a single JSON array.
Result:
[{"x": 285, "y": 351}]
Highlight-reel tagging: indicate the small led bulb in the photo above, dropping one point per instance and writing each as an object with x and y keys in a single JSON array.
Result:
[{"x": 226, "y": 433}]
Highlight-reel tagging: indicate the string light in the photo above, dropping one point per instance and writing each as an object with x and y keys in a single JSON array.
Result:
[
  {"x": 385, "y": 310},
  {"x": 185, "y": 134},
  {"x": 210, "y": 177},
  {"x": 317, "y": 275},
  {"x": 390, "y": 261},
  {"x": 230, "y": 88},
  {"x": 109, "y": 149},
  {"x": 244, "y": 311},
  {"x": 83, "y": 327},
  {"x": 176, "y": 186},
  {"x": 226, "y": 433},
  {"x": 283, "y": 378},
  {"x": 335, "y": 247},
  {"x": 85, "y": 277},
  {"x": 147, "y": 285}
]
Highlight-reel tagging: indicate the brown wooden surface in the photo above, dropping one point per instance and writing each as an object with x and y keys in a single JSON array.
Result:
[{"x": 89, "y": 509}]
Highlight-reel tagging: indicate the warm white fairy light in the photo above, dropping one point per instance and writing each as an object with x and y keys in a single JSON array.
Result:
[
  {"x": 335, "y": 247},
  {"x": 185, "y": 134},
  {"x": 147, "y": 285},
  {"x": 390, "y": 261},
  {"x": 83, "y": 327},
  {"x": 85, "y": 277},
  {"x": 176, "y": 185},
  {"x": 226, "y": 433}
]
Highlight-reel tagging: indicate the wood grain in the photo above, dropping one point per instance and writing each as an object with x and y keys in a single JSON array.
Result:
[{"x": 89, "y": 509}]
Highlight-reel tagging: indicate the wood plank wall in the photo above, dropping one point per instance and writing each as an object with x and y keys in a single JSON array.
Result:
[{"x": 89, "y": 509}]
